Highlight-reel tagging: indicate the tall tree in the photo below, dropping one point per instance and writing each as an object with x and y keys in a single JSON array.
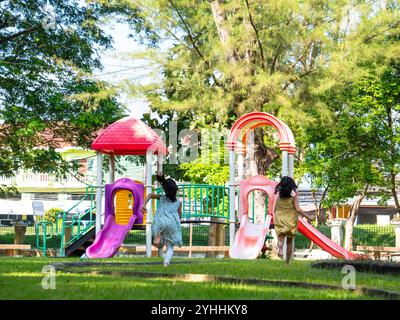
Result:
[
  {"x": 47, "y": 91},
  {"x": 377, "y": 102},
  {"x": 357, "y": 154},
  {"x": 228, "y": 58},
  {"x": 340, "y": 162}
]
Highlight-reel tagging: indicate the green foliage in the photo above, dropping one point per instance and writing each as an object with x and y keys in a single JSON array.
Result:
[
  {"x": 197, "y": 172},
  {"x": 51, "y": 215},
  {"x": 207, "y": 170},
  {"x": 361, "y": 144},
  {"x": 47, "y": 91},
  {"x": 8, "y": 192}
]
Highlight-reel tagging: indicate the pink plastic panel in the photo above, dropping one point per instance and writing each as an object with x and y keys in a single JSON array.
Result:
[{"x": 257, "y": 183}]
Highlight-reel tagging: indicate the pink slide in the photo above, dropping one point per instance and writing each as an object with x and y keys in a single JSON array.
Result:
[
  {"x": 112, "y": 235},
  {"x": 324, "y": 242},
  {"x": 249, "y": 239},
  {"x": 109, "y": 239}
]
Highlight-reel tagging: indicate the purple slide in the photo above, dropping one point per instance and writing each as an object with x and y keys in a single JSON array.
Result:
[{"x": 111, "y": 236}]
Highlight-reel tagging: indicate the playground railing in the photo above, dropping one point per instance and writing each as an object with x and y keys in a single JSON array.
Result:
[
  {"x": 79, "y": 223},
  {"x": 44, "y": 231},
  {"x": 252, "y": 209},
  {"x": 67, "y": 223},
  {"x": 202, "y": 201}
]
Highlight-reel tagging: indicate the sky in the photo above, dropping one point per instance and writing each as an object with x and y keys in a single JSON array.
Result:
[{"x": 119, "y": 66}]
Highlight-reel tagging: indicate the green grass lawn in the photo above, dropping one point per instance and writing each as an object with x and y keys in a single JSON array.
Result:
[{"x": 20, "y": 278}]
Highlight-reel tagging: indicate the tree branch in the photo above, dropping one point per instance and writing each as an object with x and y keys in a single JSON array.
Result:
[
  {"x": 301, "y": 56},
  {"x": 257, "y": 35},
  {"x": 275, "y": 59},
  {"x": 299, "y": 77},
  {"x": 18, "y": 34},
  {"x": 187, "y": 29},
  {"x": 394, "y": 25},
  {"x": 192, "y": 41}
]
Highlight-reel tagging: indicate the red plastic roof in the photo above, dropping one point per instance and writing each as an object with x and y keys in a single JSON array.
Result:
[{"x": 128, "y": 136}]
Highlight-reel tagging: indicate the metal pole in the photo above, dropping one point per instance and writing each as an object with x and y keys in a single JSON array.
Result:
[
  {"x": 160, "y": 170},
  {"x": 291, "y": 165},
  {"x": 159, "y": 163},
  {"x": 240, "y": 166},
  {"x": 190, "y": 239},
  {"x": 99, "y": 191},
  {"x": 231, "y": 197},
  {"x": 149, "y": 216},
  {"x": 285, "y": 165},
  {"x": 111, "y": 173}
]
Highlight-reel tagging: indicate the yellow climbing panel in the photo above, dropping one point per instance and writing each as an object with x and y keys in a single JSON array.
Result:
[{"x": 124, "y": 202}]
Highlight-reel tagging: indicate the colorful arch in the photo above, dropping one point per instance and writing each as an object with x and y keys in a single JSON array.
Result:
[{"x": 246, "y": 124}]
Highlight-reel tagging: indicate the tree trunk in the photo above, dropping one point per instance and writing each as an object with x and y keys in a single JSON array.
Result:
[
  {"x": 223, "y": 31},
  {"x": 393, "y": 153},
  {"x": 348, "y": 241},
  {"x": 394, "y": 193},
  {"x": 220, "y": 236},
  {"x": 212, "y": 237},
  {"x": 258, "y": 156},
  {"x": 257, "y": 162}
]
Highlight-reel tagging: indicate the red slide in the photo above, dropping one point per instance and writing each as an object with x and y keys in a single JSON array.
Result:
[{"x": 324, "y": 242}]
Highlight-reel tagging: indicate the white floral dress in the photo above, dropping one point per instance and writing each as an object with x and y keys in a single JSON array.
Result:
[{"x": 167, "y": 222}]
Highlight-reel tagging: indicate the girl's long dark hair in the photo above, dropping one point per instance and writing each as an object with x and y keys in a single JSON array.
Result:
[
  {"x": 169, "y": 186},
  {"x": 285, "y": 187}
]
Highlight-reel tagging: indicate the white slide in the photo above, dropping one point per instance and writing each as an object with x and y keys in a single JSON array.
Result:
[{"x": 249, "y": 239}]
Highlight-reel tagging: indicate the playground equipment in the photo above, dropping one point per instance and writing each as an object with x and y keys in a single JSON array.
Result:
[
  {"x": 79, "y": 231},
  {"x": 250, "y": 237},
  {"x": 83, "y": 232},
  {"x": 119, "y": 217},
  {"x": 128, "y": 136},
  {"x": 247, "y": 242}
]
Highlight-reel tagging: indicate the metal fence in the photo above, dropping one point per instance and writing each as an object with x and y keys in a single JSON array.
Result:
[
  {"x": 363, "y": 235},
  {"x": 367, "y": 235},
  {"x": 7, "y": 236},
  {"x": 200, "y": 234},
  {"x": 302, "y": 242},
  {"x": 374, "y": 235}
]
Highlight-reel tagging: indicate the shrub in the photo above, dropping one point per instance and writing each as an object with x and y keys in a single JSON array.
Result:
[{"x": 51, "y": 215}]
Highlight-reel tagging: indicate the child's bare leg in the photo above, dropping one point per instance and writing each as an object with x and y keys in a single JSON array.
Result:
[
  {"x": 281, "y": 239},
  {"x": 169, "y": 253},
  {"x": 289, "y": 249}
]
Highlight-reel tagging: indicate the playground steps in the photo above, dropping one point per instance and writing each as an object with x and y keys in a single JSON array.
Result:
[{"x": 78, "y": 248}]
